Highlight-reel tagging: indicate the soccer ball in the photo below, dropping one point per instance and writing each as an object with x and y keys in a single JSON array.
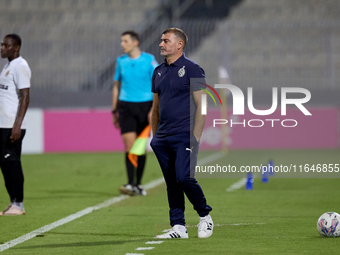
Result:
[{"x": 329, "y": 224}]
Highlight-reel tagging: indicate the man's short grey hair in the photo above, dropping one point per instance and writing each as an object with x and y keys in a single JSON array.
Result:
[{"x": 178, "y": 33}]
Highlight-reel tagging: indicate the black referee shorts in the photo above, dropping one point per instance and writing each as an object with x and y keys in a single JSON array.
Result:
[
  {"x": 10, "y": 151},
  {"x": 133, "y": 117}
]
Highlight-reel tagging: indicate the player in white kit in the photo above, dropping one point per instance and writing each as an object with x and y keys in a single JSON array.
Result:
[{"x": 14, "y": 99}]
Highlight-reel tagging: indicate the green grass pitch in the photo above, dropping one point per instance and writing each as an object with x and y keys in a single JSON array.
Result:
[{"x": 278, "y": 217}]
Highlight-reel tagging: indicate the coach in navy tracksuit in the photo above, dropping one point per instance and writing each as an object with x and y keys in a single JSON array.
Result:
[{"x": 177, "y": 128}]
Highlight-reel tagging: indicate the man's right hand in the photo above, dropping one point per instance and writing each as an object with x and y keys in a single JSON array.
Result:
[{"x": 115, "y": 118}]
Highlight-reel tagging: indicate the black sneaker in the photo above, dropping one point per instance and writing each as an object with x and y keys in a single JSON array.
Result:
[
  {"x": 127, "y": 189},
  {"x": 140, "y": 191}
]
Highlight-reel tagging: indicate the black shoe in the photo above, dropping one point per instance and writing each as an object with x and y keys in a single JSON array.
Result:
[
  {"x": 140, "y": 191},
  {"x": 127, "y": 189}
]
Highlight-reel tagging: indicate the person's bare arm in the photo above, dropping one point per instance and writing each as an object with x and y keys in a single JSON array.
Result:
[
  {"x": 155, "y": 113},
  {"x": 24, "y": 100},
  {"x": 150, "y": 115},
  {"x": 115, "y": 93},
  {"x": 199, "y": 118}
]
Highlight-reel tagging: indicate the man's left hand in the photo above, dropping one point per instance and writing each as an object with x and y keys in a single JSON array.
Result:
[
  {"x": 16, "y": 134},
  {"x": 197, "y": 137}
]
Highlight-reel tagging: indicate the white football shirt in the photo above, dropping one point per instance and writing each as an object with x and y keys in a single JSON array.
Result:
[{"x": 14, "y": 76}]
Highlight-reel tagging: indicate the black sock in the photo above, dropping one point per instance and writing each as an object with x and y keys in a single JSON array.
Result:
[
  {"x": 14, "y": 180},
  {"x": 140, "y": 168},
  {"x": 130, "y": 169}
]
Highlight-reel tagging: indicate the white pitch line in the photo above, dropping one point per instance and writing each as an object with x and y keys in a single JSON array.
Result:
[
  {"x": 154, "y": 242},
  {"x": 72, "y": 217},
  {"x": 228, "y": 224},
  {"x": 238, "y": 224},
  {"x": 153, "y": 183},
  {"x": 237, "y": 185},
  {"x": 134, "y": 254},
  {"x": 210, "y": 158},
  {"x": 144, "y": 248}
]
